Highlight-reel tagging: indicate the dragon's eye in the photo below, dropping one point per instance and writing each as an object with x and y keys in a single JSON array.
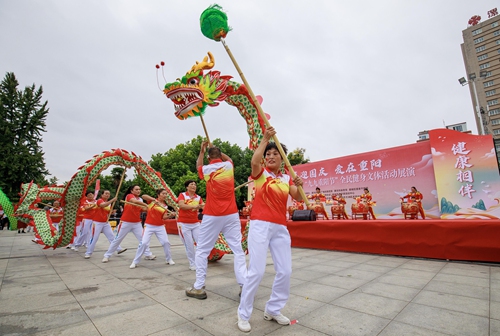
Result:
[{"x": 193, "y": 81}]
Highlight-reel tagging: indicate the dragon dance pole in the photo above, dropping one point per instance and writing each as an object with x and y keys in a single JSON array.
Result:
[
  {"x": 205, "y": 128},
  {"x": 117, "y": 192},
  {"x": 213, "y": 22},
  {"x": 242, "y": 185}
]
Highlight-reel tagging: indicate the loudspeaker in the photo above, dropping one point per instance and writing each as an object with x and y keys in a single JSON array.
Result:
[{"x": 304, "y": 215}]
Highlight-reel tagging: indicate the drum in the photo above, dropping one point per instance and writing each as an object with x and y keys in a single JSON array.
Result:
[
  {"x": 410, "y": 210},
  {"x": 337, "y": 210},
  {"x": 359, "y": 210}
]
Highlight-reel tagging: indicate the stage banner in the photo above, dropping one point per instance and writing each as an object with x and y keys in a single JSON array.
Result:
[
  {"x": 389, "y": 175},
  {"x": 466, "y": 170}
]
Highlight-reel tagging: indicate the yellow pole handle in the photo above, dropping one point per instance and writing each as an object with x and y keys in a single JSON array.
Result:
[{"x": 117, "y": 192}]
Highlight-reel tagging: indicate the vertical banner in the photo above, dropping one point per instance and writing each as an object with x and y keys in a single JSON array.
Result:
[
  {"x": 467, "y": 176},
  {"x": 389, "y": 175}
]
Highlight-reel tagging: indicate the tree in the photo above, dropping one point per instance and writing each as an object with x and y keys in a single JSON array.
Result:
[
  {"x": 296, "y": 156},
  {"x": 23, "y": 118}
]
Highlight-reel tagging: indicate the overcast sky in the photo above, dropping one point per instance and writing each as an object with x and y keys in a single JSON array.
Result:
[{"x": 337, "y": 77}]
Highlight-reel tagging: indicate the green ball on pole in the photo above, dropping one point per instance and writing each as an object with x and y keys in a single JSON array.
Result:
[{"x": 213, "y": 23}]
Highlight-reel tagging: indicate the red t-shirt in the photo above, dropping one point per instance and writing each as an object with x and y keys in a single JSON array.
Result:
[
  {"x": 131, "y": 213},
  {"x": 155, "y": 214},
  {"x": 189, "y": 216},
  {"x": 56, "y": 215},
  {"x": 101, "y": 214},
  {"x": 271, "y": 196},
  {"x": 219, "y": 176},
  {"x": 89, "y": 213}
]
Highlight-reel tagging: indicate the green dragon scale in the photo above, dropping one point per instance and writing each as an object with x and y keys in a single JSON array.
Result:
[{"x": 74, "y": 191}]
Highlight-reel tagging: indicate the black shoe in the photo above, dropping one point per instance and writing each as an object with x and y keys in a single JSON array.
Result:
[
  {"x": 18, "y": 231},
  {"x": 23, "y": 231}
]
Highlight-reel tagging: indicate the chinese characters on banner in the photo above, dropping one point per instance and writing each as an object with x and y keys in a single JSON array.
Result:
[{"x": 464, "y": 174}]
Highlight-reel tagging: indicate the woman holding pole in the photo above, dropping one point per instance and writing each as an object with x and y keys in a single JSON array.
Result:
[
  {"x": 268, "y": 231},
  {"x": 130, "y": 222},
  {"x": 157, "y": 212},
  {"x": 101, "y": 223}
]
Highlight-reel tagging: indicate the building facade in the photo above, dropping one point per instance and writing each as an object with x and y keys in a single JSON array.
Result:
[{"x": 481, "y": 54}]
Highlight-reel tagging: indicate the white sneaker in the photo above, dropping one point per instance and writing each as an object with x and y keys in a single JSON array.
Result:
[
  {"x": 192, "y": 268},
  {"x": 87, "y": 256},
  {"x": 283, "y": 320},
  {"x": 243, "y": 325},
  {"x": 170, "y": 262},
  {"x": 132, "y": 265},
  {"x": 75, "y": 249},
  {"x": 151, "y": 257},
  {"x": 105, "y": 260}
]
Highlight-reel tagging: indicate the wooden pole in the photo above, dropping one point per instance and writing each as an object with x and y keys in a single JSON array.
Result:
[
  {"x": 205, "y": 129},
  {"x": 134, "y": 204},
  {"x": 117, "y": 193},
  {"x": 242, "y": 185},
  {"x": 263, "y": 116}
]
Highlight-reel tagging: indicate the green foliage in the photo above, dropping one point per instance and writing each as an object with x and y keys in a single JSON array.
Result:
[
  {"x": 23, "y": 118},
  {"x": 296, "y": 157}
]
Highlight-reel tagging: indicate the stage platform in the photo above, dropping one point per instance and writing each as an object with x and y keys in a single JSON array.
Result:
[{"x": 472, "y": 240}]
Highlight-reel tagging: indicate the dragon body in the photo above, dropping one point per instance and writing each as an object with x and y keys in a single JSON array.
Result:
[
  {"x": 8, "y": 209},
  {"x": 72, "y": 193}
]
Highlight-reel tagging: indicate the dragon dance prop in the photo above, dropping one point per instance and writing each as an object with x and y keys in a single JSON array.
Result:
[
  {"x": 8, "y": 209},
  {"x": 213, "y": 24},
  {"x": 196, "y": 90},
  {"x": 71, "y": 194}
]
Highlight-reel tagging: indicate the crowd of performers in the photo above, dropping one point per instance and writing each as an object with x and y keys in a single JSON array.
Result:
[{"x": 268, "y": 229}]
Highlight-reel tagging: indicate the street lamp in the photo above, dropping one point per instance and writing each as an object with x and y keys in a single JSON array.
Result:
[{"x": 473, "y": 79}]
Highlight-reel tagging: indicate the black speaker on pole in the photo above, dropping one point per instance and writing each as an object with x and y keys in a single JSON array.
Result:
[{"x": 304, "y": 215}]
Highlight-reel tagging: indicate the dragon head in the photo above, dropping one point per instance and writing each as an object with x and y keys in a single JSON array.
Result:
[{"x": 195, "y": 91}]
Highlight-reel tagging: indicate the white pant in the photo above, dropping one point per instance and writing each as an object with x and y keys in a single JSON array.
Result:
[
  {"x": 161, "y": 233},
  {"x": 98, "y": 228},
  {"x": 123, "y": 229},
  {"x": 78, "y": 231},
  {"x": 189, "y": 234},
  {"x": 85, "y": 229},
  {"x": 210, "y": 228},
  {"x": 261, "y": 236}
]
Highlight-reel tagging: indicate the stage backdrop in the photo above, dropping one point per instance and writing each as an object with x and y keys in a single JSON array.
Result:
[
  {"x": 467, "y": 177},
  {"x": 430, "y": 166}
]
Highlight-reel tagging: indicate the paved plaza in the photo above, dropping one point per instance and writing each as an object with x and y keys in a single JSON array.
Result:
[{"x": 58, "y": 292}]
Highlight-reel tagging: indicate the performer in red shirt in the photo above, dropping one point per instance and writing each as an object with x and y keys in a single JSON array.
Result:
[
  {"x": 101, "y": 223},
  {"x": 130, "y": 222},
  {"x": 56, "y": 214},
  {"x": 366, "y": 197},
  {"x": 153, "y": 225},
  {"x": 417, "y": 197},
  {"x": 268, "y": 231},
  {"x": 188, "y": 222},
  {"x": 88, "y": 207},
  {"x": 318, "y": 206},
  {"x": 342, "y": 201},
  {"x": 219, "y": 215}
]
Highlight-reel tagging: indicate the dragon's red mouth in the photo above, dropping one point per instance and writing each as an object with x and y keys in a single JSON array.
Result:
[{"x": 184, "y": 99}]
